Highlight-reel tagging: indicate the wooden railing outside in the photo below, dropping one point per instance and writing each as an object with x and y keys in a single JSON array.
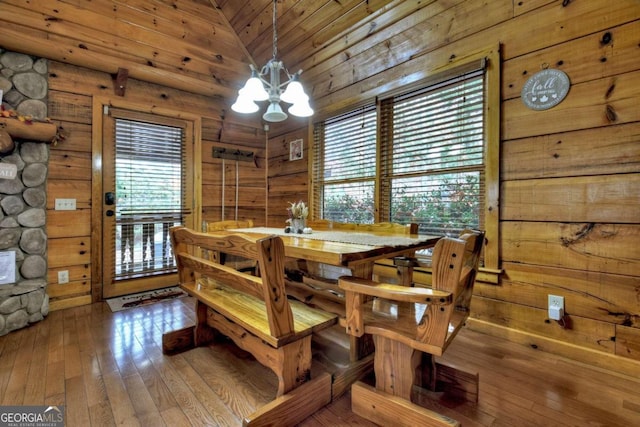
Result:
[{"x": 143, "y": 247}]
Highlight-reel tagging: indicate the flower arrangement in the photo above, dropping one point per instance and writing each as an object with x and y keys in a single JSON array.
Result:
[{"x": 297, "y": 213}]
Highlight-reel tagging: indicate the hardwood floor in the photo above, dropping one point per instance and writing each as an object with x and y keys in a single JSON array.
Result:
[{"x": 108, "y": 369}]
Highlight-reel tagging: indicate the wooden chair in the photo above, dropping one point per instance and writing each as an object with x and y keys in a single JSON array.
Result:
[
  {"x": 256, "y": 314},
  {"x": 221, "y": 257},
  {"x": 228, "y": 224},
  {"x": 411, "y": 325}
]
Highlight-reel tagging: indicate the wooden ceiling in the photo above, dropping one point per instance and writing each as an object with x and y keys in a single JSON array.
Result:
[
  {"x": 205, "y": 46},
  {"x": 304, "y": 27}
]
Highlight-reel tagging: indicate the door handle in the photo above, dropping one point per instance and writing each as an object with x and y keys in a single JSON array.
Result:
[
  {"x": 109, "y": 212},
  {"x": 109, "y": 198}
]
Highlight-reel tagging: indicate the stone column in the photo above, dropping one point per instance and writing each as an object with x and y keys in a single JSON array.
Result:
[{"x": 23, "y": 80}]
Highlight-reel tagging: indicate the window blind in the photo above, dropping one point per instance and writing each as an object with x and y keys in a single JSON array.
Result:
[
  {"x": 345, "y": 165},
  {"x": 150, "y": 195},
  {"x": 149, "y": 169},
  {"x": 432, "y": 169}
]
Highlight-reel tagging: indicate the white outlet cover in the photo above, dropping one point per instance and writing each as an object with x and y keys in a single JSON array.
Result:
[{"x": 63, "y": 277}]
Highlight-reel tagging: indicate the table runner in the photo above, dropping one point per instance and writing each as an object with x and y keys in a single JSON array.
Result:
[{"x": 352, "y": 237}]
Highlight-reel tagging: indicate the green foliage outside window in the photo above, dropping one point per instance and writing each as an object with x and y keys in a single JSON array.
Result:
[{"x": 446, "y": 208}]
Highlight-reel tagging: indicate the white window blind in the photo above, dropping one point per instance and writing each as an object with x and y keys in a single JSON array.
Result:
[{"x": 149, "y": 169}]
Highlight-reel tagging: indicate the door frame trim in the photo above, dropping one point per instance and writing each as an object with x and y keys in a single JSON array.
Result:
[{"x": 98, "y": 105}]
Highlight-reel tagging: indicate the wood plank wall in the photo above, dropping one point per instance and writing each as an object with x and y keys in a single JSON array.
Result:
[
  {"x": 570, "y": 176},
  {"x": 71, "y": 92}
]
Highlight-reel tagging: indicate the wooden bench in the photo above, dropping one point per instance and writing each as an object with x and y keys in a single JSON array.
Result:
[{"x": 256, "y": 314}]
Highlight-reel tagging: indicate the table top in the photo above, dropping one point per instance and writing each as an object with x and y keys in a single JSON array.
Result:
[{"x": 346, "y": 249}]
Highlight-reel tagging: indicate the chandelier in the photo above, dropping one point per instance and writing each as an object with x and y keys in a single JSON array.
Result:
[{"x": 258, "y": 88}]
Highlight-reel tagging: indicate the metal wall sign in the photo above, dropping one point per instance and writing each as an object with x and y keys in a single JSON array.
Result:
[{"x": 545, "y": 89}]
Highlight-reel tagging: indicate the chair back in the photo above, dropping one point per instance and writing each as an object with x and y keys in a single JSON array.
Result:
[
  {"x": 228, "y": 224},
  {"x": 454, "y": 268},
  {"x": 379, "y": 227}
]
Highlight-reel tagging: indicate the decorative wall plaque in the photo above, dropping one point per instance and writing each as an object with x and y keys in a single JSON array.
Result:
[
  {"x": 296, "y": 150},
  {"x": 545, "y": 89}
]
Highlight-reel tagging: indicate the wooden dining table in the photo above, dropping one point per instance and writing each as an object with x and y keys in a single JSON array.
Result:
[{"x": 356, "y": 251}]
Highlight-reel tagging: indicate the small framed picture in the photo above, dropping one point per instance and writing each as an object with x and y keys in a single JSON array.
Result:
[{"x": 296, "y": 150}]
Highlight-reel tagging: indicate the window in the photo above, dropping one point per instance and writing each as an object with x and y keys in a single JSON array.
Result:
[
  {"x": 432, "y": 156},
  {"x": 426, "y": 153},
  {"x": 348, "y": 172}
]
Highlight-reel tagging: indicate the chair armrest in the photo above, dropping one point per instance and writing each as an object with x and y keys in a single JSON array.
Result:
[{"x": 395, "y": 292}]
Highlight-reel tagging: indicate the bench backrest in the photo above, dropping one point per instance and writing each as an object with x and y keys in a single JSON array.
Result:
[{"x": 268, "y": 252}]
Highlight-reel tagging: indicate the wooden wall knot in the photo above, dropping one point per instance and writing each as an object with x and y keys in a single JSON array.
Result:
[
  {"x": 580, "y": 235},
  {"x": 610, "y": 90},
  {"x": 611, "y": 114}
]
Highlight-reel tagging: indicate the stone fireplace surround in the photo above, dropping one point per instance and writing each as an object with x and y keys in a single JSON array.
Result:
[{"x": 23, "y": 80}]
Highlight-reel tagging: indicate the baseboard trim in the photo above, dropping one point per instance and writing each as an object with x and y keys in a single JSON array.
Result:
[
  {"x": 597, "y": 359},
  {"x": 63, "y": 303}
]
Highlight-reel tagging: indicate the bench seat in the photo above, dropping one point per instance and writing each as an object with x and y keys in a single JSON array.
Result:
[{"x": 251, "y": 314}]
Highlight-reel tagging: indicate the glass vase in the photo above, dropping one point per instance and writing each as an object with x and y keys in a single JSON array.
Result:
[{"x": 298, "y": 225}]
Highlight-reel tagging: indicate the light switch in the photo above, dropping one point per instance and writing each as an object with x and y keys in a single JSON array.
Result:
[{"x": 65, "y": 204}]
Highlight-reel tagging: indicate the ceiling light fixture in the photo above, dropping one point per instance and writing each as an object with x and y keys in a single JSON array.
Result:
[{"x": 258, "y": 88}]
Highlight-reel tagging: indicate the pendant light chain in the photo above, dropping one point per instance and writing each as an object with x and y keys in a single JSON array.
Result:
[{"x": 275, "y": 31}]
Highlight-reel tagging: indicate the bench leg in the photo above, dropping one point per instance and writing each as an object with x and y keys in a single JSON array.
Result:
[
  {"x": 291, "y": 362},
  {"x": 203, "y": 333},
  {"x": 293, "y": 366},
  {"x": 191, "y": 336},
  {"x": 293, "y": 407}
]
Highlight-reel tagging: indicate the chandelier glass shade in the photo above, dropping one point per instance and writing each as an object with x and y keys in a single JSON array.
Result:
[{"x": 258, "y": 88}]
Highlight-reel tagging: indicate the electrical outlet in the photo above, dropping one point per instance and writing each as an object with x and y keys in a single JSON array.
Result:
[
  {"x": 63, "y": 277},
  {"x": 556, "y": 307},
  {"x": 65, "y": 204}
]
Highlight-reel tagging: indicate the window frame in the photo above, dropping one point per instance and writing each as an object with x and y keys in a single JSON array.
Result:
[{"x": 490, "y": 58}]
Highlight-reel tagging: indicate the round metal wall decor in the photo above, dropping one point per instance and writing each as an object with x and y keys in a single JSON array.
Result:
[{"x": 545, "y": 89}]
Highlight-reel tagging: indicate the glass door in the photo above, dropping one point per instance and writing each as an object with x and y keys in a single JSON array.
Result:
[{"x": 147, "y": 190}]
